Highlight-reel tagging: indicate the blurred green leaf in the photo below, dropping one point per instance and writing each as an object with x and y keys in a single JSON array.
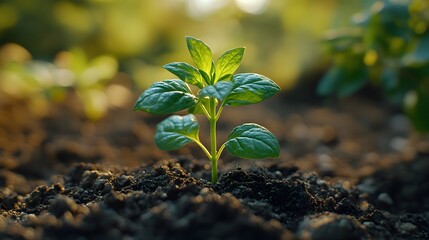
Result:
[
  {"x": 103, "y": 67},
  {"x": 417, "y": 108},
  {"x": 343, "y": 40},
  {"x": 389, "y": 78},
  {"x": 342, "y": 81},
  {"x": 421, "y": 53},
  {"x": 95, "y": 102}
]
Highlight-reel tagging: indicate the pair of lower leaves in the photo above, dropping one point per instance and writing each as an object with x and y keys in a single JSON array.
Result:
[{"x": 249, "y": 140}]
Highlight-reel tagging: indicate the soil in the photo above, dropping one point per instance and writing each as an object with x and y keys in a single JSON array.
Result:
[{"x": 350, "y": 169}]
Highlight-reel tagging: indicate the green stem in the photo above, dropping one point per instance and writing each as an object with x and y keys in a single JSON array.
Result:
[
  {"x": 219, "y": 152},
  {"x": 219, "y": 112},
  {"x": 204, "y": 110},
  {"x": 197, "y": 141},
  {"x": 213, "y": 149}
]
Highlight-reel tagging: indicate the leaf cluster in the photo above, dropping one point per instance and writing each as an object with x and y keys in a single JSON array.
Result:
[
  {"x": 218, "y": 87},
  {"x": 387, "y": 47}
]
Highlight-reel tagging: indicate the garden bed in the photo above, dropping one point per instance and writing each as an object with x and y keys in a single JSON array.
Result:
[{"x": 349, "y": 170}]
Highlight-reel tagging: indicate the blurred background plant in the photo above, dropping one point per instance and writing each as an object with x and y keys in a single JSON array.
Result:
[
  {"x": 92, "y": 48},
  {"x": 42, "y": 81},
  {"x": 388, "y": 48}
]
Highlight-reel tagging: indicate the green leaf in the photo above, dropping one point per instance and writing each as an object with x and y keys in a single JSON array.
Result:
[
  {"x": 249, "y": 88},
  {"x": 164, "y": 97},
  {"x": 213, "y": 74},
  {"x": 330, "y": 81},
  {"x": 186, "y": 72},
  {"x": 219, "y": 91},
  {"x": 389, "y": 78},
  {"x": 228, "y": 63},
  {"x": 421, "y": 54},
  {"x": 416, "y": 107},
  {"x": 200, "y": 53},
  {"x": 251, "y": 140},
  {"x": 343, "y": 81},
  {"x": 206, "y": 77},
  {"x": 176, "y": 131}
]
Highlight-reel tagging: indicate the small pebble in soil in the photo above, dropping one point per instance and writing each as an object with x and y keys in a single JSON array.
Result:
[
  {"x": 400, "y": 124},
  {"x": 325, "y": 164},
  {"x": 62, "y": 204},
  {"x": 331, "y": 226},
  {"x": 405, "y": 228},
  {"x": 368, "y": 186},
  {"x": 398, "y": 144},
  {"x": 384, "y": 198}
]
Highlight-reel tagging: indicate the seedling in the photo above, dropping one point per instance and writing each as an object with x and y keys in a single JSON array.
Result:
[{"x": 218, "y": 88}]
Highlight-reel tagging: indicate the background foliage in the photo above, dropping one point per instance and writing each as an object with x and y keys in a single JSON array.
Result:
[
  {"x": 106, "y": 50},
  {"x": 387, "y": 47}
]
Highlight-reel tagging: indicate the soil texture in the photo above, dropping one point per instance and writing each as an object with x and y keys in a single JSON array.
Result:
[{"x": 353, "y": 169}]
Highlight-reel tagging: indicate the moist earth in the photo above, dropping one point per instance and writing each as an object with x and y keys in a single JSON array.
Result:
[{"x": 354, "y": 170}]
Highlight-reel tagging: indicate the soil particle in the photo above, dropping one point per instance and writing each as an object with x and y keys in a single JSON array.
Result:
[
  {"x": 39, "y": 199},
  {"x": 62, "y": 204},
  {"x": 9, "y": 200},
  {"x": 12, "y": 180},
  {"x": 331, "y": 226}
]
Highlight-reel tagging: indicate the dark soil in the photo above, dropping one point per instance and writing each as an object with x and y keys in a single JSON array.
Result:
[{"x": 349, "y": 170}]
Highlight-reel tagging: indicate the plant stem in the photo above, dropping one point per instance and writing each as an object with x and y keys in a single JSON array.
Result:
[
  {"x": 219, "y": 152},
  {"x": 197, "y": 141},
  {"x": 213, "y": 149}
]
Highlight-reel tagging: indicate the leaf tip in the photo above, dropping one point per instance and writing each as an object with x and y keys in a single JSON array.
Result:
[
  {"x": 165, "y": 66},
  {"x": 136, "y": 107},
  {"x": 190, "y": 38}
]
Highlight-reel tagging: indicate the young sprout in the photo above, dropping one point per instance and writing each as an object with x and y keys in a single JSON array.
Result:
[{"x": 218, "y": 88}]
